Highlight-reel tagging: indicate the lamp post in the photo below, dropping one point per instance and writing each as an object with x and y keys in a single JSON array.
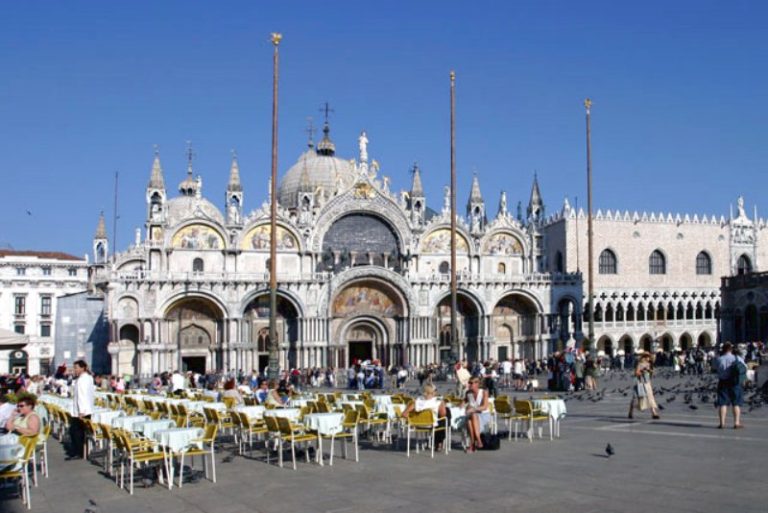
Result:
[
  {"x": 590, "y": 345},
  {"x": 454, "y": 302},
  {"x": 273, "y": 369}
]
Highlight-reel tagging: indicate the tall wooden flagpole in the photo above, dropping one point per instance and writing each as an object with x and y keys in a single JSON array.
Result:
[
  {"x": 274, "y": 363},
  {"x": 454, "y": 303},
  {"x": 590, "y": 345}
]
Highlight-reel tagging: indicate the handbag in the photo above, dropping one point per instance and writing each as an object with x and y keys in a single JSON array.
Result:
[{"x": 640, "y": 389}]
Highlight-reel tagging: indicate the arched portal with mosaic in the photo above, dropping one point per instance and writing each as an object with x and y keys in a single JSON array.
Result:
[
  {"x": 519, "y": 313},
  {"x": 196, "y": 325},
  {"x": 366, "y": 316},
  {"x": 256, "y": 332}
]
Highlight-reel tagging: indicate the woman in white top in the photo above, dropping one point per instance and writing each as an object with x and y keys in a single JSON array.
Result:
[
  {"x": 478, "y": 416},
  {"x": 428, "y": 401}
]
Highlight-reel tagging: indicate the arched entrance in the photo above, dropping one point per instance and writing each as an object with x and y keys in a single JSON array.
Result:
[
  {"x": 646, "y": 343},
  {"x": 704, "y": 340},
  {"x": 128, "y": 356},
  {"x": 685, "y": 342},
  {"x": 505, "y": 342},
  {"x": 18, "y": 362},
  {"x": 627, "y": 345},
  {"x": 520, "y": 314},
  {"x": 196, "y": 327},
  {"x": 256, "y": 326},
  {"x": 605, "y": 344},
  {"x": 366, "y": 315},
  {"x": 468, "y": 327},
  {"x": 666, "y": 343}
]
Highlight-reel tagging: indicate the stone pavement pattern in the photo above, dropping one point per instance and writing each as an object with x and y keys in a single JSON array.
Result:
[{"x": 681, "y": 463}]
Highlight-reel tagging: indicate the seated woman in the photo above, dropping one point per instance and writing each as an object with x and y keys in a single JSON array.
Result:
[
  {"x": 478, "y": 416},
  {"x": 273, "y": 396},
  {"x": 232, "y": 392},
  {"x": 24, "y": 421},
  {"x": 428, "y": 401}
]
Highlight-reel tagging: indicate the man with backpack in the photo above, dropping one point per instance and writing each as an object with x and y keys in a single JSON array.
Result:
[{"x": 729, "y": 386}]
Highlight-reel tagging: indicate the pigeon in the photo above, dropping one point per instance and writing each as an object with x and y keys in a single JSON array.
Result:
[
  {"x": 609, "y": 450},
  {"x": 661, "y": 407},
  {"x": 693, "y": 407}
]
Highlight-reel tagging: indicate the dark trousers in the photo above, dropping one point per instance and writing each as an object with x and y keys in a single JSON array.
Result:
[{"x": 77, "y": 436}]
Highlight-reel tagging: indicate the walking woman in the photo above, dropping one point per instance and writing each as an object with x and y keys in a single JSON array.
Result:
[{"x": 642, "y": 396}]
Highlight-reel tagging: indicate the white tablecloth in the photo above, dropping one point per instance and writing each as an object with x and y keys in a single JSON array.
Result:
[
  {"x": 9, "y": 457},
  {"x": 129, "y": 421},
  {"x": 9, "y": 439},
  {"x": 150, "y": 427},
  {"x": 178, "y": 439},
  {"x": 290, "y": 413},
  {"x": 299, "y": 402},
  {"x": 199, "y": 406},
  {"x": 324, "y": 423},
  {"x": 252, "y": 412},
  {"x": 106, "y": 417},
  {"x": 458, "y": 416},
  {"x": 555, "y": 408}
]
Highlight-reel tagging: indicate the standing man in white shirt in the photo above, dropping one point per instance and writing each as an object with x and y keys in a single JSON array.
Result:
[{"x": 83, "y": 394}]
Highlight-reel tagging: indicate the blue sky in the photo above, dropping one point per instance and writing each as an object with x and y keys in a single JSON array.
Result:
[{"x": 680, "y": 93}]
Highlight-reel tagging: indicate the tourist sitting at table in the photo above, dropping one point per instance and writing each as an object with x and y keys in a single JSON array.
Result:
[
  {"x": 273, "y": 396},
  {"x": 7, "y": 409},
  {"x": 478, "y": 416},
  {"x": 429, "y": 401},
  {"x": 263, "y": 392},
  {"x": 232, "y": 392},
  {"x": 24, "y": 421}
]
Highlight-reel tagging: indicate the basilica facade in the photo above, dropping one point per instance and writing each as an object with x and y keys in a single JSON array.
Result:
[{"x": 363, "y": 272}]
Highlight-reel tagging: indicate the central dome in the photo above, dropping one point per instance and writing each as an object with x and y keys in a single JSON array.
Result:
[{"x": 316, "y": 172}]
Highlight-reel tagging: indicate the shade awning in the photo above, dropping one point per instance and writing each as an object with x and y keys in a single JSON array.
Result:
[{"x": 11, "y": 338}]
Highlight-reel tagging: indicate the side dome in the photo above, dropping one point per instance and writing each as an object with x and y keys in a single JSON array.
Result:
[
  {"x": 183, "y": 208},
  {"x": 315, "y": 172}
]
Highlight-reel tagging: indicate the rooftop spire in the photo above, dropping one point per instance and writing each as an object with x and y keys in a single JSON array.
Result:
[
  {"x": 156, "y": 180},
  {"x": 535, "y": 193},
  {"x": 416, "y": 188},
  {"x": 326, "y": 146},
  {"x": 310, "y": 133},
  {"x": 101, "y": 228},
  {"x": 234, "y": 175},
  {"x": 475, "y": 195},
  {"x": 189, "y": 186}
]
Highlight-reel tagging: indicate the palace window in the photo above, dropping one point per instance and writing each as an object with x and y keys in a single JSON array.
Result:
[
  {"x": 703, "y": 263},
  {"x": 45, "y": 330},
  {"x": 559, "y": 262},
  {"x": 607, "y": 263},
  {"x": 21, "y": 271},
  {"x": 72, "y": 271},
  {"x": 46, "y": 271},
  {"x": 744, "y": 265},
  {"x": 657, "y": 264}
]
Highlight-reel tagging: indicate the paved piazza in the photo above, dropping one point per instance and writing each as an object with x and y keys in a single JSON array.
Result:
[{"x": 680, "y": 463}]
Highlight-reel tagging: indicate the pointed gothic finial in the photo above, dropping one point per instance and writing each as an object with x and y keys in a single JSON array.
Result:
[
  {"x": 474, "y": 194},
  {"x": 234, "y": 184},
  {"x": 101, "y": 228},
  {"x": 535, "y": 192},
  {"x": 417, "y": 189},
  {"x": 156, "y": 180}
]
